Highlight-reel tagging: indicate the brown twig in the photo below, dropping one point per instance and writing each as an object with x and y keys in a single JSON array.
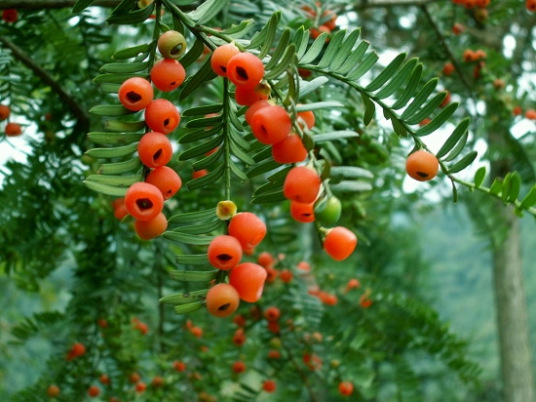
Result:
[{"x": 79, "y": 113}]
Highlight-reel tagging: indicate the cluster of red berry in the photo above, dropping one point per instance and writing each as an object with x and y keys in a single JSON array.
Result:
[
  {"x": 246, "y": 280},
  {"x": 145, "y": 200},
  {"x": 11, "y": 129}
]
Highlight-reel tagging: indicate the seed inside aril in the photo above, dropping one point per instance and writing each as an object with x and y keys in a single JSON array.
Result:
[
  {"x": 157, "y": 154},
  {"x": 133, "y": 96},
  {"x": 144, "y": 203},
  {"x": 224, "y": 307},
  {"x": 242, "y": 73},
  {"x": 166, "y": 122},
  {"x": 423, "y": 174},
  {"x": 225, "y": 257},
  {"x": 177, "y": 49}
]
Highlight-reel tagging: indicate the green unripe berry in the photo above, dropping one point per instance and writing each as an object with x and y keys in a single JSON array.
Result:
[
  {"x": 171, "y": 45},
  {"x": 329, "y": 212}
]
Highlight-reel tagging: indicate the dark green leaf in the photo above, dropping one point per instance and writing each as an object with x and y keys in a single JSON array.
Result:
[
  {"x": 207, "y": 10},
  {"x": 187, "y": 308},
  {"x": 354, "y": 58},
  {"x": 453, "y": 139},
  {"x": 420, "y": 98},
  {"x": 387, "y": 73},
  {"x": 131, "y": 52},
  {"x": 333, "y": 50},
  {"x": 438, "y": 120},
  {"x": 370, "y": 109},
  {"x": 194, "y": 276},
  {"x": 479, "y": 176},
  {"x": 363, "y": 67},
  {"x": 410, "y": 88},
  {"x": 106, "y": 188},
  {"x": 464, "y": 162},
  {"x": 81, "y": 5},
  {"x": 398, "y": 80},
  {"x": 204, "y": 74},
  {"x": 187, "y": 238}
]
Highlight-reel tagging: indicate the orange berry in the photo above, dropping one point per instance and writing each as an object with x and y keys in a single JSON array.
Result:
[
  {"x": 312, "y": 361},
  {"x": 104, "y": 379},
  {"x": 93, "y": 391},
  {"x": 120, "y": 210},
  {"x": 199, "y": 173},
  {"x": 53, "y": 391},
  {"x": 157, "y": 382},
  {"x": 179, "y": 366},
  {"x": 222, "y": 300},
  {"x": 224, "y": 252},
  {"x": 517, "y": 111},
  {"x": 271, "y": 274},
  {"x": 289, "y": 150},
  {"x": 498, "y": 83},
  {"x": 140, "y": 387},
  {"x": 331, "y": 18},
  {"x": 339, "y": 243},
  {"x": 248, "y": 96},
  {"x": 422, "y": 165},
  {"x": 154, "y": 149},
  {"x": 152, "y": 228},
  {"x": 10, "y": 15},
  {"x": 239, "y": 367},
  {"x": 272, "y": 314},
  {"x": 239, "y": 338},
  {"x": 221, "y": 56},
  {"x": 13, "y": 129},
  {"x": 530, "y": 5},
  {"x": 134, "y": 378},
  {"x": 448, "y": 68},
  {"x": 458, "y": 29},
  {"x": 446, "y": 101},
  {"x": 171, "y": 44},
  {"x": 328, "y": 298},
  {"x": 144, "y": 201},
  {"x": 78, "y": 349},
  {"x": 4, "y": 112},
  {"x": 167, "y": 74},
  {"x": 425, "y": 121},
  {"x": 248, "y": 279},
  {"x": 301, "y": 212},
  {"x": 271, "y": 124},
  {"x": 308, "y": 117},
  {"x": 274, "y": 327},
  {"x": 265, "y": 259},
  {"x": 162, "y": 116},
  {"x": 364, "y": 301},
  {"x": 302, "y": 184},
  {"x": 304, "y": 266},
  {"x": 269, "y": 386},
  {"x": 286, "y": 276},
  {"x": 254, "y": 108},
  {"x": 353, "y": 284},
  {"x": 316, "y": 32},
  {"x": 274, "y": 354},
  {"x": 239, "y": 320},
  {"x": 136, "y": 93},
  {"x": 166, "y": 180},
  {"x": 245, "y": 69},
  {"x": 346, "y": 388},
  {"x": 248, "y": 229},
  {"x": 101, "y": 322},
  {"x": 530, "y": 114}
]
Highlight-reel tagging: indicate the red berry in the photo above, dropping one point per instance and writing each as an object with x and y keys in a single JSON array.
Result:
[
  {"x": 162, "y": 116},
  {"x": 269, "y": 386},
  {"x": 167, "y": 74},
  {"x": 5, "y": 111},
  {"x": 136, "y": 93},
  {"x": 271, "y": 124},
  {"x": 346, "y": 388},
  {"x": 302, "y": 184},
  {"x": 248, "y": 229},
  {"x": 154, "y": 150},
  {"x": 221, "y": 56},
  {"x": 289, "y": 150},
  {"x": 166, "y": 179},
  {"x": 248, "y": 279},
  {"x": 245, "y": 69},
  {"x": 339, "y": 243},
  {"x": 222, "y": 300},
  {"x": 152, "y": 228},
  {"x": 224, "y": 252},
  {"x": 144, "y": 201},
  {"x": 422, "y": 165},
  {"x": 13, "y": 129}
]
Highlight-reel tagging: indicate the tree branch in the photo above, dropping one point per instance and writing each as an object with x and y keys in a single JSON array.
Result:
[
  {"x": 48, "y": 4},
  {"x": 79, "y": 113}
]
